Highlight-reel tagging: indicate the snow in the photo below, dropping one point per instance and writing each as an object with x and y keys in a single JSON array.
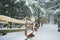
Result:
[
  {"x": 47, "y": 32},
  {"x": 57, "y": 10},
  {"x": 47, "y": 1}
]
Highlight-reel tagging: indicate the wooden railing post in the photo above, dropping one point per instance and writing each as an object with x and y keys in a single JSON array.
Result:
[{"x": 26, "y": 30}]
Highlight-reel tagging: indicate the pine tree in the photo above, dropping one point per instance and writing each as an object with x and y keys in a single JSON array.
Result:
[{"x": 14, "y": 9}]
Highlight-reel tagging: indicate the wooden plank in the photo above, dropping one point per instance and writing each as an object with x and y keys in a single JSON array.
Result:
[
  {"x": 8, "y": 30},
  {"x": 9, "y": 19}
]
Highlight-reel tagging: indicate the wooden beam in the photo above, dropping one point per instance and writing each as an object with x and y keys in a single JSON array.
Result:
[
  {"x": 9, "y": 19},
  {"x": 8, "y": 30}
]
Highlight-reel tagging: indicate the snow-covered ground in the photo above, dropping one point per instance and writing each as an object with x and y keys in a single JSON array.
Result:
[{"x": 47, "y": 32}]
